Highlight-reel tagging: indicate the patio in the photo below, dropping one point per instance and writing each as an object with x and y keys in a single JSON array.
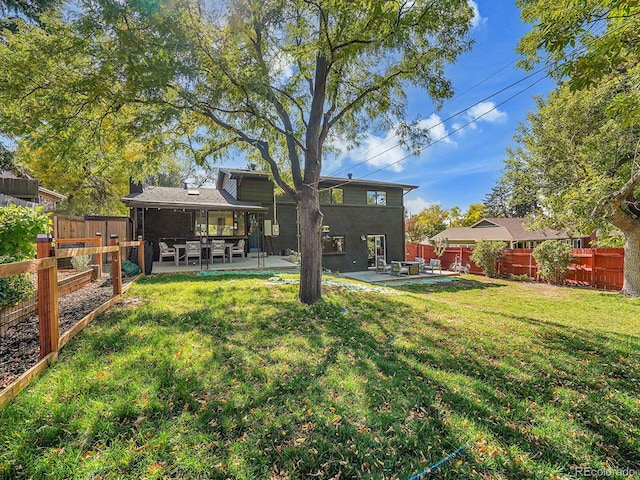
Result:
[
  {"x": 247, "y": 263},
  {"x": 371, "y": 276}
]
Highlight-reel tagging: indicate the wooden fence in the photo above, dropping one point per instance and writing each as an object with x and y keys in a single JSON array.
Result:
[
  {"x": 86, "y": 227},
  {"x": 47, "y": 298},
  {"x": 594, "y": 267}
]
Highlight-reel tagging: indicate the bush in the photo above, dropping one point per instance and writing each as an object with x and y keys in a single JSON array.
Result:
[
  {"x": 485, "y": 255},
  {"x": 81, "y": 262},
  {"x": 520, "y": 278},
  {"x": 15, "y": 288},
  {"x": 553, "y": 257},
  {"x": 18, "y": 229}
]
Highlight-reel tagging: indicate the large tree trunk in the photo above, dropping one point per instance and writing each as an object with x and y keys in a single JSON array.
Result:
[
  {"x": 310, "y": 246},
  {"x": 631, "y": 284}
]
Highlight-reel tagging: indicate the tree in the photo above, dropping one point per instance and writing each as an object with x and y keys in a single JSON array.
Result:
[
  {"x": 511, "y": 197},
  {"x": 583, "y": 142},
  {"x": 553, "y": 258},
  {"x": 485, "y": 254},
  {"x": 276, "y": 79},
  {"x": 429, "y": 222}
]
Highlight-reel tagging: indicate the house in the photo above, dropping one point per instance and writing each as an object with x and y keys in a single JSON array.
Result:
[
  {"x": 363, "y": 220},
  {"x": 26, "y": 192},
  {"x": 510, "y": 230}
]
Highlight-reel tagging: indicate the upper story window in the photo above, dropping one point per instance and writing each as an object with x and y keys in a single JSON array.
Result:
[
  {"x": 376, "y": 198},
  {"x": 331, "y": 195}
]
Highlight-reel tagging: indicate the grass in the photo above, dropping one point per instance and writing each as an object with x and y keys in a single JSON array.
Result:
[{"x": 231, "y": 377}]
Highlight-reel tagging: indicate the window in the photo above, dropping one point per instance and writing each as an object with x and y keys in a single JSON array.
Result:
[
  {"x": 331, "y": 195},
  {"x": 333, "y": 244},
  {"x": 219, "y": 223},
  {"x": 376, "y": 198}
]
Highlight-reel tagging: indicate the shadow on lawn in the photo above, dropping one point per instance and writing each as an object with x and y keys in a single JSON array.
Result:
[
  {"x": 373, "y": 392},
  {"x": 456, "y": 285}
]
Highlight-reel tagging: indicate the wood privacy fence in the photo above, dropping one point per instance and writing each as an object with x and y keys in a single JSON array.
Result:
[
  {"x": 594, "y": 267},
  {"x": 86, "y": 227},
  {"x": 47, "y": 298}
]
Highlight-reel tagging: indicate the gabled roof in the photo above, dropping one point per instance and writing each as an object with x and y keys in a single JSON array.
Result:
[
  {"x": 238, "y": 173},
  {"x": 504, "y": 229},
  {"x": 170, "y": 197}
]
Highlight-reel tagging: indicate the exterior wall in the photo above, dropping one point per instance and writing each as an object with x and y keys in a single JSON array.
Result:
[
  {"x": 256, "y": 190},
  {"x": 167, "y": 224},
  {"x": 352, "y": 222}
]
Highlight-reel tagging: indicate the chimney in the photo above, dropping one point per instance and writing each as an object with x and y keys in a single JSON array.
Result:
[
  {"x": 349, "y": 175},
  {"x": 134, "y": 187}
]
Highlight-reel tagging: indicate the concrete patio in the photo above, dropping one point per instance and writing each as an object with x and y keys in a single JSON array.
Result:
[
  {"x": 247, "y": 263},
  {"x": 371, "y": 276}
]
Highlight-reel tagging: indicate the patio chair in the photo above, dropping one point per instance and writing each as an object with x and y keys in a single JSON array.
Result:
[
  {"x": 218, "y": 249},
  {"x": 398, "y": 269},
  {"x": 432, "y": 265},
  {"x": 165, "y": 251},
  {"x": 238, "y": 249},
  {"x": 420, "y": 261},
  {"x": 194, "y": 250},
  {"x": 382, "y": 267}
]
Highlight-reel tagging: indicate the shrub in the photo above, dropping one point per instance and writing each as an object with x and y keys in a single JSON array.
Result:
[
  {"x": 15, "y": 288},
  {"x": 553, "y": 257},
  {"x": 485, "y": 255},
  {"x": 18, "y": 229},
  {"x": 520, "y": 278},
  {"x": 81, "y": 262}
]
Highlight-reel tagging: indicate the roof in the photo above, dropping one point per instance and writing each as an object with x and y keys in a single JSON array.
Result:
[
  {"x": 504, "y": 229},
  {"x": 238, "y": 172},
  {"x": 171, "y": 197}
]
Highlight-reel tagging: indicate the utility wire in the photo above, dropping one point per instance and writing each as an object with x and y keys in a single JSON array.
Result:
[
  {"x": 543, "y": 68},
  {"x": 455, "y": 97}
]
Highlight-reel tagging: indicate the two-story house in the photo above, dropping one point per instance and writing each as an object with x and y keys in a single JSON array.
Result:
[{"x": 363, "y": 220}]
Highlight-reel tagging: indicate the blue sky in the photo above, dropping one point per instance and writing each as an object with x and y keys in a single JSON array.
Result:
[{"x": 462, "y": 168}]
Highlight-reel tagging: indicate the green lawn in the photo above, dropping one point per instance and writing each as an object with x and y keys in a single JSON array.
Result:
[{"x": 231, "y": 377}]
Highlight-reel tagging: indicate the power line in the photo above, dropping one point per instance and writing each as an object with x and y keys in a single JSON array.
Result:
[
  {"x": 456, "y": 97},
  {"x": 543, "y": 68}
]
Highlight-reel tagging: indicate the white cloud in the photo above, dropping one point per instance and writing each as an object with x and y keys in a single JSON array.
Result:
[
  {"x": 437, "y": 129},
  {"x": 482, "y": 112},
  {"x": 416, "y": 205},
  {"x": 477, "y": 19},
  {"x": 383, "y": 151},
  {"x": 486, "y": 112}
]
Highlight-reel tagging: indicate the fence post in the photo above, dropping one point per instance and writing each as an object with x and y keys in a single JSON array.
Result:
[
  {"x": 99, "y": 255},
  {"x": 593, "y": 268},
  {"x": 47, "y": 299},
  {"x": 140, "y": 253},
  {"x": 116, "y": 268}
]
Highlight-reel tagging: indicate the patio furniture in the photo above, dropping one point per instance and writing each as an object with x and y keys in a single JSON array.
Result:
[
  {"x": 421, "y": 264},
  {"x": 398, "y": 269},
  {"x": 194, "y": 250},
  {"x": 165, "y": 251},
  {"x": 218, "y": 249},
  {"x": 382, "y": 267},
  {"x": 238, "y": 249},
  {"x": 432, "y": 265}
]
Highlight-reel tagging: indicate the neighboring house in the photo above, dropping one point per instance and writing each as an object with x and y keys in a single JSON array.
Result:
[
  {"x": 27, "y": 192},
  {"x": 510, "y": 230},
  {"x": 363, "y": 220}
]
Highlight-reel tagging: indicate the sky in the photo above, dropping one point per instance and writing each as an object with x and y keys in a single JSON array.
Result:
[{"x": 461, "y": 168}]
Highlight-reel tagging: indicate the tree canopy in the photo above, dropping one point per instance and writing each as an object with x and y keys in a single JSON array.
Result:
[
  {"x": 277, "y": 79},
  {"x": 581, "y": 147}
]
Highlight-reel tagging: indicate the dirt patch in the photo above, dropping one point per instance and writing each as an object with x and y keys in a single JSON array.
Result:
[{"x": 20, "y": 344}]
